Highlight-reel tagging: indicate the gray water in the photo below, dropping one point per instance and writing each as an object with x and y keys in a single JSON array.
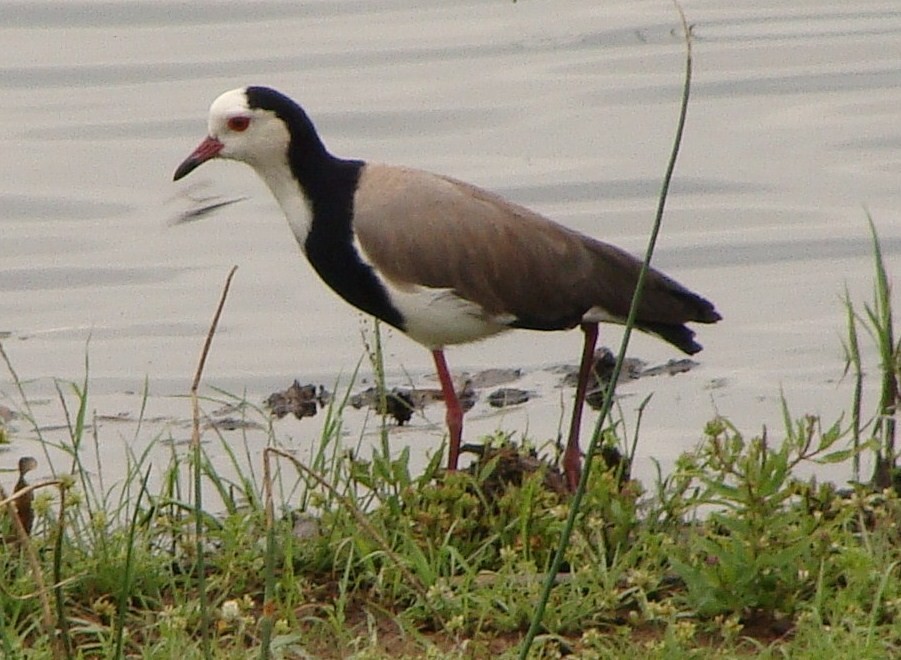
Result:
[{"x": 794, "y": 130}]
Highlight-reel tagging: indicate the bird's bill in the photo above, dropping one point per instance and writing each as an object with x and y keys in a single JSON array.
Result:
[{"x": 209, "y": 148}]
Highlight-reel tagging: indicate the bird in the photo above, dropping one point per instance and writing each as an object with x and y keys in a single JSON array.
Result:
[
  {"x": 24, "y": 497},
  {"x": 442, "y": 260},
  {"x": 23, "y": 502}
]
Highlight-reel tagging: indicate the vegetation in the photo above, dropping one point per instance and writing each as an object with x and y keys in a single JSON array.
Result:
[{"x": 731, "y": 554}]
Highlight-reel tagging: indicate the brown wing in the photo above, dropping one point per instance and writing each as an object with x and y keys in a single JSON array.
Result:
[{"x": 435, "y": 231}]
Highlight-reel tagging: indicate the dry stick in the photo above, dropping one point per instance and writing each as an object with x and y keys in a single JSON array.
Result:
[
  {"x": 268, "y": 505},
  {"x": 36, "y": 594},
  {"x": 195, "y": 446},
  {"x": 206, "y": 349},
  {"x": 6, "y": 500},
  {"x": 361, "y": 520},
  {"x": 26, "y": 545},
  {"x": 630, "y": 323}
]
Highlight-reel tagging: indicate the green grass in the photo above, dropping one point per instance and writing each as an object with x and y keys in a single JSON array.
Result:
[{"x": 729, "y": 555}]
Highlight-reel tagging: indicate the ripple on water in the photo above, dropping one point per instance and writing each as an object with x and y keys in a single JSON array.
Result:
[
  {"x": 39, "y": 207},
  {"x": 49, "y": 278}
]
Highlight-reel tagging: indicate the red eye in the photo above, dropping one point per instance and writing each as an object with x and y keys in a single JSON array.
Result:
[{"x": 239, "y": 123}]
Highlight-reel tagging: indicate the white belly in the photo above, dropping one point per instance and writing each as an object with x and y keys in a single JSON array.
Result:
[{"x": 438, "y": 317}]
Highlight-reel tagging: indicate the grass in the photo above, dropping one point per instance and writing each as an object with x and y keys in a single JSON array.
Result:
[{"x": 731, "y": 554}]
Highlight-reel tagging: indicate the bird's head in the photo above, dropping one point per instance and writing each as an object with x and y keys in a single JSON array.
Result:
[{"x": 248, "y": 125}]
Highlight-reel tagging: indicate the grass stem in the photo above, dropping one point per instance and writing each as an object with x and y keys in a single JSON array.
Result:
[
  {"x": 198, "y": 473},
  {"x": 538, "y": 616}
]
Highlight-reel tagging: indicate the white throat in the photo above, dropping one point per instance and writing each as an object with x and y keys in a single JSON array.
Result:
[{"x": 295, "y": 205}]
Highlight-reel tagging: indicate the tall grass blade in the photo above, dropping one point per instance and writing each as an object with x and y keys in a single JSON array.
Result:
[
  {"x": 62, "y": 621},
  {"x": 853, "y": 362},
  {"x": 26, "y": 404},
  {"x": 537, "y": 617},
  {"x": 128, "y": 570},
  {"x": 267, "y": 620},
  {"x": 889, "y": 353}
]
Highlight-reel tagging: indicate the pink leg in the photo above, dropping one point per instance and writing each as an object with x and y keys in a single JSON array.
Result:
[
  {"x": 454, "y": 415},
  {"x": 572, "y": 456}
]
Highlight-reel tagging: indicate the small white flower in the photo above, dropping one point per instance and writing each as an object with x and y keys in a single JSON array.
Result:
[{"x": 231, "y": 610}]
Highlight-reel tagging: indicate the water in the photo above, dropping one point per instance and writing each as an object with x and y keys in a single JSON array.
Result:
[{"x": 794, "y": 130}]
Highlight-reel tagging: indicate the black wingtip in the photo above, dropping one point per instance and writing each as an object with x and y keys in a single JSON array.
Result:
[{"x": 680, "y": 336}]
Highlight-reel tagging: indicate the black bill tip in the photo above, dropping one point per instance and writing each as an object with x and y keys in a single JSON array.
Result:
[{"x": 206, "y": 150}]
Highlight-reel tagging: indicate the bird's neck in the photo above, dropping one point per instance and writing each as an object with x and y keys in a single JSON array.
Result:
[
  {"x": 313, "y": 191},
  {"x": 296, "y": 203}
]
